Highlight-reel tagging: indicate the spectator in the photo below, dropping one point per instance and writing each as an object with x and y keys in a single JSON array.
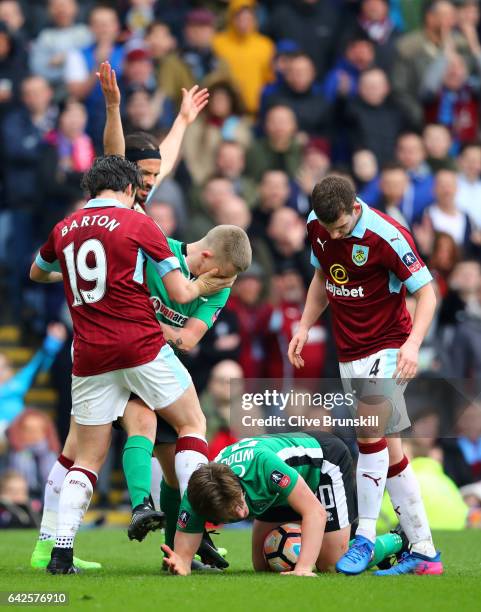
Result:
[
  {"x": 139, "y": 16},
  {"x": 34, "y": 447},
  {"x": 146, "y": 111},
  {"x": 81, "y": 67},
  {"x": 23, "y": 131},
  {"x": 437, "y": 142},
  {"x": 303, "y": 94},
  {"x": 444, "y": 215},
  {"x": 394, "y": 186},
  {"x": 342, "y": 80},
  {"x": 216, "y": 405},
  {"x": 314, "y": 167},
  {"x": 468, "y": 195},
  {"x": 14, "y": 385},
  {"x": 417, "y": 50},
  {"x": 444, "y": 257},
  {"x": 70, "y": 154},
  {"x": 223, "y": 119},
  {"x": 138, "y": 69},
  {"x": 11, "y": 13},
  {"x": 461, "y": 295},
  {"x": 283, "y": 325},
  {"x": 253, "y": 316},
  {"x": 365, "y": 172},
  {"x": 374, "y": 21},
  {"x": 273, "y": 194},
  {"x": 462, "y": 455},
  {"x": 375, "y": 120},
  {"x": 13, "y": 70},
  {"x": 162, "y": 48},
  {"x": 312, "y": 24},
  {"x": 278, "y": 149},
  {"x": 196, "y": 62},
  {"x": 451, "y": 99},
  {"x": 163, "y": 214},
  {"x": 247, "y": 53},
  {"x": 49, "y": 51},
  {"x": 411, "y": 154},
  {"x": 16, "y": 511},
  {"x": 285, "y": 49},
  {"x": 287, "y": 236},
  {"x": 230, "y": 163}
]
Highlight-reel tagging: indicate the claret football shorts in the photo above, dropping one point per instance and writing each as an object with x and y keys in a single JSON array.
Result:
[
  {"x": 101, "y": 399},
  {"x": 372, "y": 376}
]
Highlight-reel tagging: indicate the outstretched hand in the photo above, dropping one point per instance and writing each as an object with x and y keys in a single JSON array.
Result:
[
  {"x": 174, "y": 562},
  {"x": 193, "y": 101},
  {"x": 108, "y": 83}
]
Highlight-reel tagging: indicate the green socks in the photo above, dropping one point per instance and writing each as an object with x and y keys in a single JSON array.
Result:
[
  {"x": 136, "y": 461},
  {"x": 169, "y": 504},
  {"x": 386, "y": 545}
]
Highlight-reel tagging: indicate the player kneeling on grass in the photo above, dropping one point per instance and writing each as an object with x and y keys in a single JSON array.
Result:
[{"x": 273, "y": 479}]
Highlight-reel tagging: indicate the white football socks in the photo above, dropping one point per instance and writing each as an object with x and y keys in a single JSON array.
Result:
[
  {"x": 371, "y": 472},
  {"x": 405, "y": 494},
  {"x": 48, "y": 526},
  {"x": 74, "y": 501},
  {"x": 190, "y": 452}
]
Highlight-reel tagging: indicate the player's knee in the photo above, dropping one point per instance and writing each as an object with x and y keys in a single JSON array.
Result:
[{"x": 144, "y": 424}]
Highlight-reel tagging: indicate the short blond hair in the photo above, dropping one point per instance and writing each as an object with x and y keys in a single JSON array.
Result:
[{"x": 230, "y": 244}]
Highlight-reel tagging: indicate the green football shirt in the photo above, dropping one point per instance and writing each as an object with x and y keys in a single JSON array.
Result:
[
  {"x": 268, "y": 469},
  {"x": 206, "y": 309}
]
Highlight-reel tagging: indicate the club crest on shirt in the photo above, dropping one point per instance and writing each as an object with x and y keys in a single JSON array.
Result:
[
  {"x": 411, "y": 262},
  {"x": 183, "y": 519},
  {"x": 280, "y": 479},
  {"x": 360, "y": 254}
]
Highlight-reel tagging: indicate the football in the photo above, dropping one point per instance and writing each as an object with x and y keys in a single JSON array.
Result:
[{"x": 282, "y": 547}]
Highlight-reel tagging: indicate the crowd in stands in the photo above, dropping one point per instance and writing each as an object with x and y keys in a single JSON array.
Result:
[{"x": 386, "y": 92}]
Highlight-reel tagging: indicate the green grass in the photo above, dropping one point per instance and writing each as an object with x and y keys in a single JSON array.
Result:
[{"x": 131, "y": 579}]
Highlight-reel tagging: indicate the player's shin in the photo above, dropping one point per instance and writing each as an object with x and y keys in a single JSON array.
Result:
[
  {"x": 372, "y": 467},
  {"x": 190, "y": 452},
  {"x": 55, "y": 479},
  {"x": 137, "y": 465},
  {"x": 405, "y": 494},
  {"x": 75, "y": 496},
  {"x": 170, "y": 504}
]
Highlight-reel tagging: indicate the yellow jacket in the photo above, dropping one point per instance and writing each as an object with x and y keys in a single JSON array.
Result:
[{"x": 249, "y": 57}]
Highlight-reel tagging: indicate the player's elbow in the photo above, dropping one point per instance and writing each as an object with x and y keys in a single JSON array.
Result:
[{"x": 36, "y": 274}]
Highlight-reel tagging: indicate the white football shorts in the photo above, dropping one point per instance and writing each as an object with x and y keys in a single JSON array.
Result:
[
  {"x": 372, "y": 376},
  {"x": 102, "y": 398}
]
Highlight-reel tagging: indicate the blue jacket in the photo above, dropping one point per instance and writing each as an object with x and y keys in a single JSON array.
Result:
[{"x": 13, "y": 391}]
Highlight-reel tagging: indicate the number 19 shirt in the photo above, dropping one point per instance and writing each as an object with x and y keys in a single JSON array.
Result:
[{"x": 102, "y": 251}]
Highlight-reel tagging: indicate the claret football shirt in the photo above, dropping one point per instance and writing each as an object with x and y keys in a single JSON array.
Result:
[
  {"x": 366, "y": 278},
  {"x": 102, "y": 251}
]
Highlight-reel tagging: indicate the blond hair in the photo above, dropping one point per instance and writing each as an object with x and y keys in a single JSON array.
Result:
[{"x": 230, "y": 244}]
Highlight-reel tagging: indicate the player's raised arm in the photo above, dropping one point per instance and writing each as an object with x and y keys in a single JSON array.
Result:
[
  {"x": 407, "y": 359},
  {"x": 313, "y": 514},
  {"x": 316, "y": 304},
  {"x": 114, "y": 142},
  {"x": 193, "y": 101}
]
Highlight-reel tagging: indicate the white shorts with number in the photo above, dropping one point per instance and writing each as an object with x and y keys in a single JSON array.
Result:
[
  {"x": 375, "y": 372},
  {"x": 101, "y": 399}
]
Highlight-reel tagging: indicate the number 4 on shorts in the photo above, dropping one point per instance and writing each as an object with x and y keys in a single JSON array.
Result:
[{"x": 375, "y": 368}]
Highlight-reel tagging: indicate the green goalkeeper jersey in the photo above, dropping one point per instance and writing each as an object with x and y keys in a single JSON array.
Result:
[
  {"x": 206, "y": 309},
  {"x": 268, "y": 468}
]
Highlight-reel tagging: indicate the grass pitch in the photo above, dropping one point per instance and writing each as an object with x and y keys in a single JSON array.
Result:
[{"x": 132, "y": 581}]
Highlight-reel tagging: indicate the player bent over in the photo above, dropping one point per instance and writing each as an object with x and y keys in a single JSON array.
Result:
[
  {"x": 100, "y": 253},
  {"x": 365, "y": 261},
  {"x": 273, "y": 479}
]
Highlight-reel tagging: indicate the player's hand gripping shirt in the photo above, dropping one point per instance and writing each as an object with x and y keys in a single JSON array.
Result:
[
  {"x": 268, "y": 469},
  {"x": 366, "y": 277},
  {"x": 206, "y": 308},
  {"x": 102, "y": 251}
]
